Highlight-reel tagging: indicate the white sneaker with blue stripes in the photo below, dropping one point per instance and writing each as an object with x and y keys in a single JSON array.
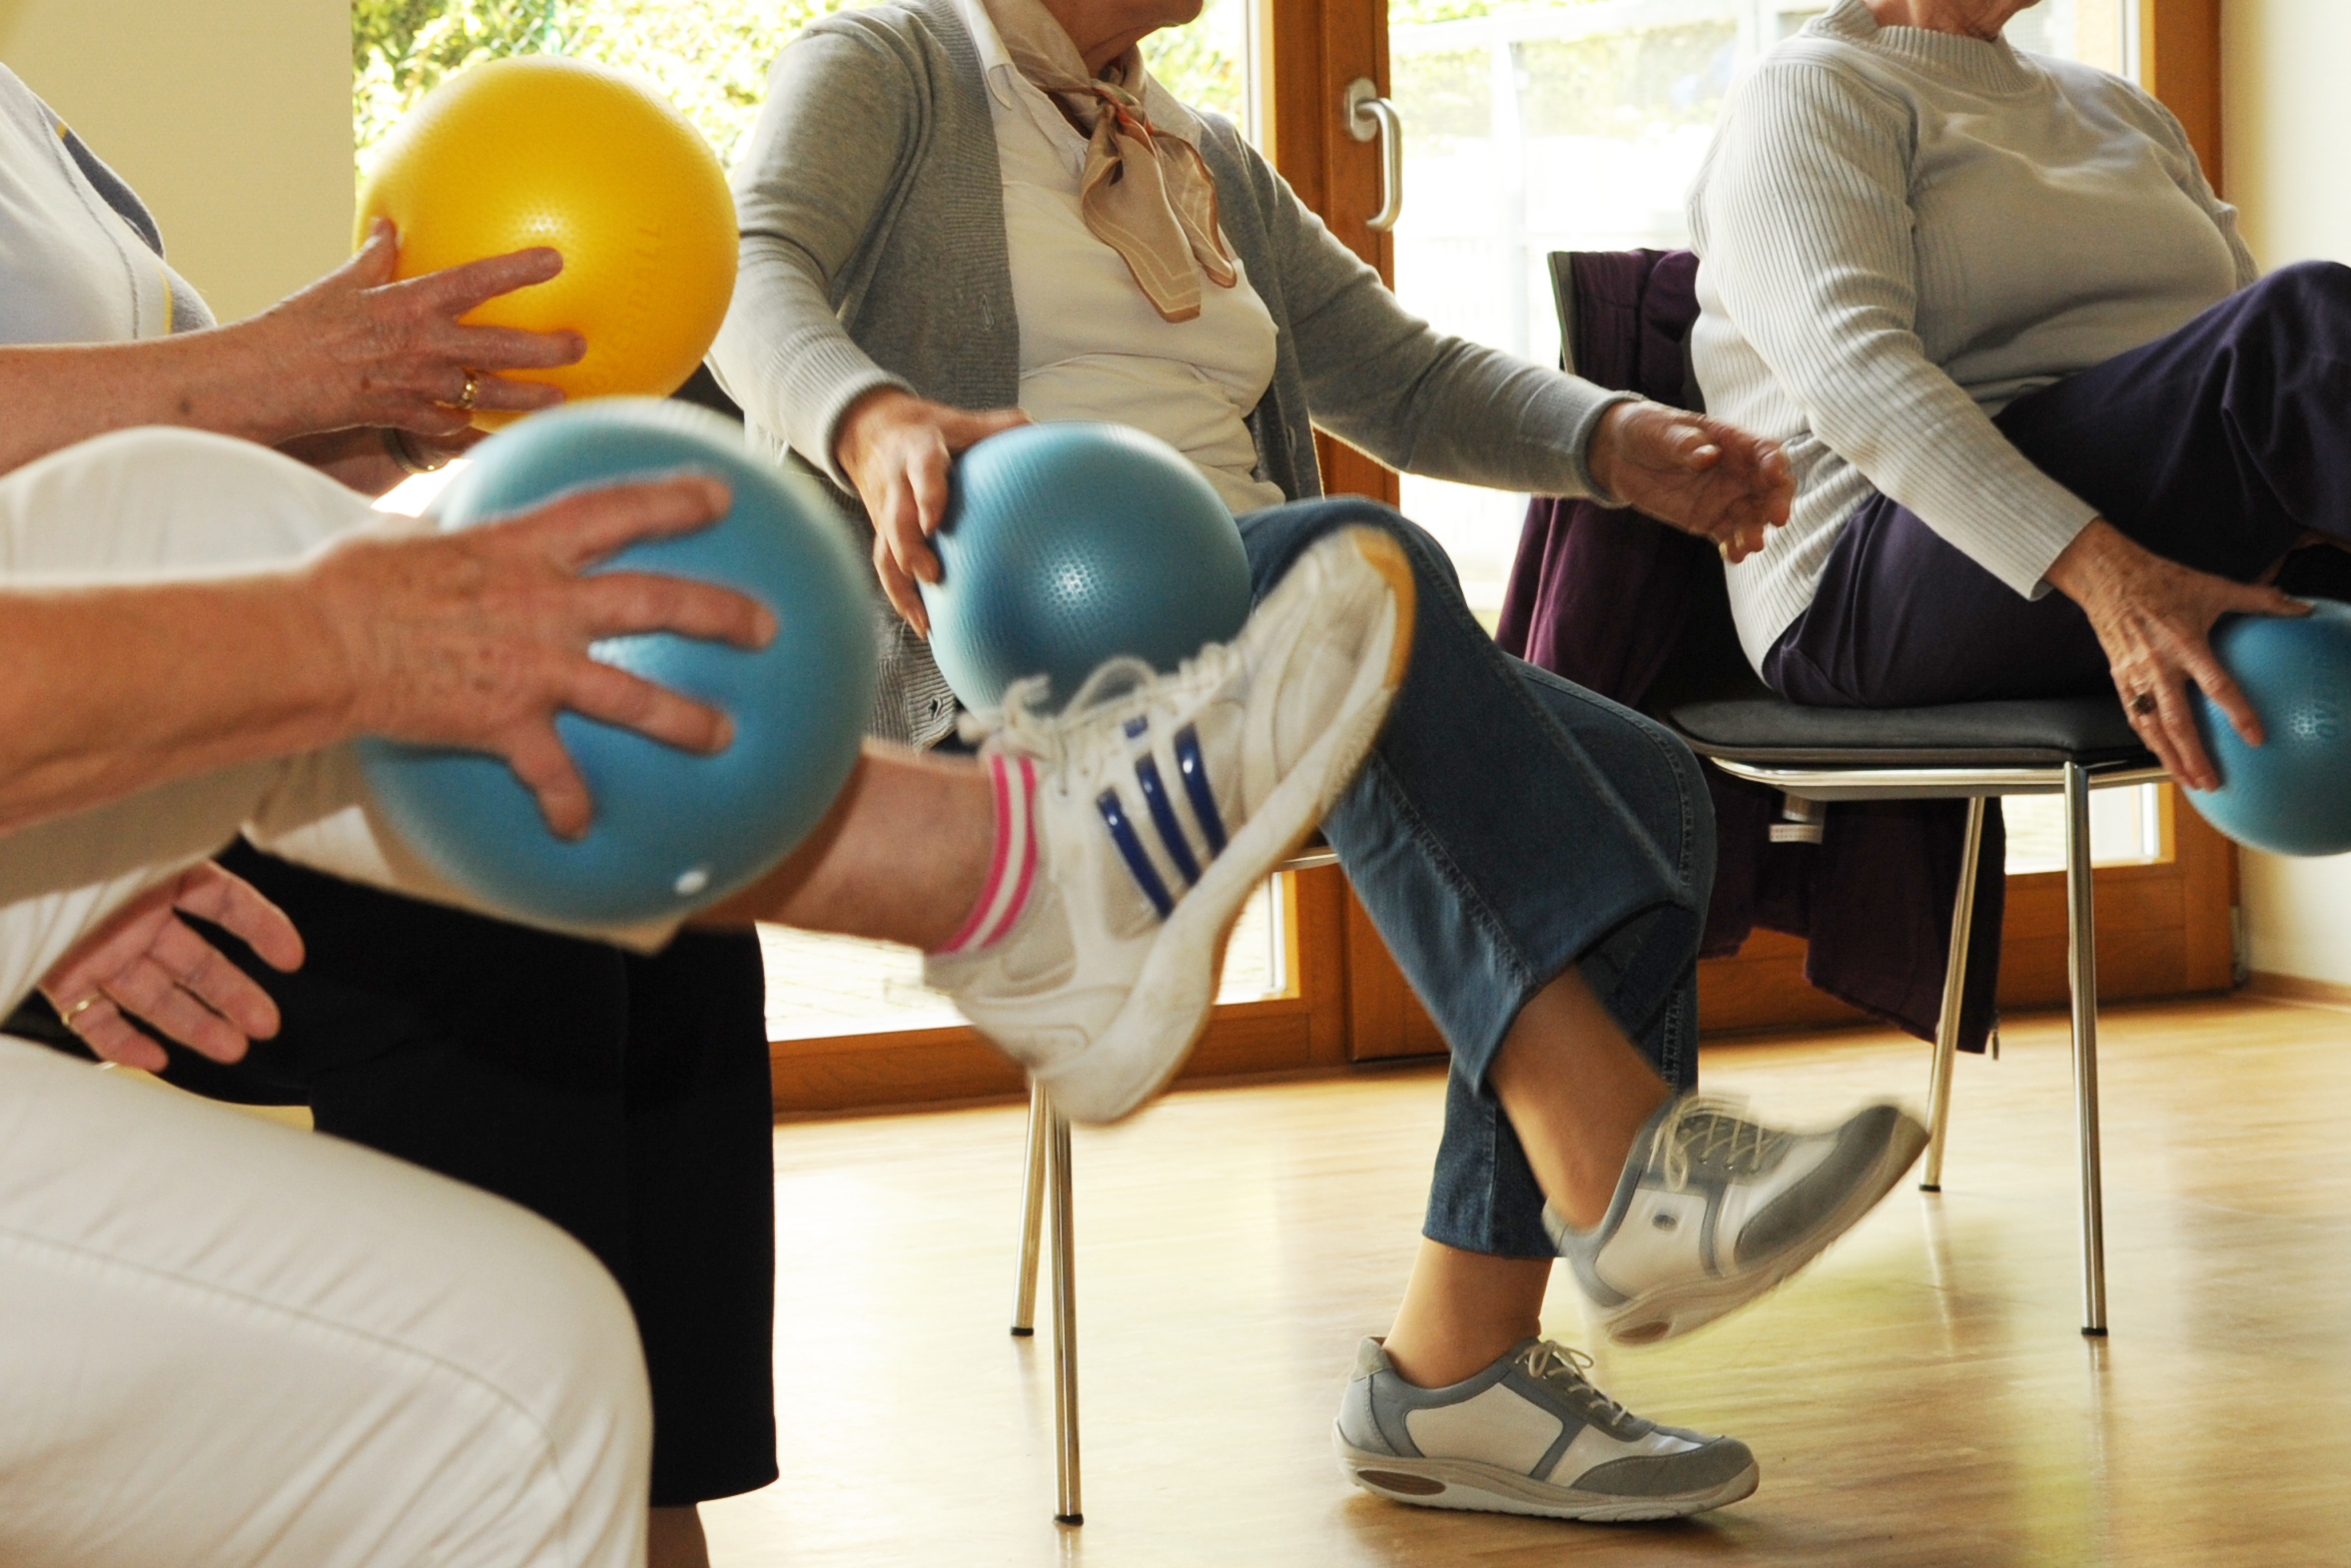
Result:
[{"x": 1163, "y": 801}]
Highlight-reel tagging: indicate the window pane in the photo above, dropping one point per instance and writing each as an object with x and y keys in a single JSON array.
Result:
[
  {"x": 1550, "y": 127},
  {"x": 1209, "y": 63},
  {"x": 2126, "y": 826}
]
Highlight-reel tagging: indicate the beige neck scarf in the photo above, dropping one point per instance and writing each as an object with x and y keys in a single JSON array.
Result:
[{"x": 1145, "y": 193}]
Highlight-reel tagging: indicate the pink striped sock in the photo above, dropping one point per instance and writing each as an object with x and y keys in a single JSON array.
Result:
[{"x": 1012, "y": 870}]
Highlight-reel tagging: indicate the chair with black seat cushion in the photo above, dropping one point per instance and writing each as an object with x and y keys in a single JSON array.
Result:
[{"x": 1974, "y": 751}]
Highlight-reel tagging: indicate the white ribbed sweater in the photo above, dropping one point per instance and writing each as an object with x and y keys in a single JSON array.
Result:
[{"x": 1901, "y": 231}]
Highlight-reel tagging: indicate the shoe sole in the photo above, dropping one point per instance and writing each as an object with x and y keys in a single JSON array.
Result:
[
  {"x": 1472, "y": 1487},
  {"x": 1672, "y": 1310},
  {"x": 1173, "y": 980}
]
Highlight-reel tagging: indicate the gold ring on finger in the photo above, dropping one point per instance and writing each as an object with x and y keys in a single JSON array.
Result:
[
  {"x": 83, "y": 1006},
  {"x": 464, "y": 402}
]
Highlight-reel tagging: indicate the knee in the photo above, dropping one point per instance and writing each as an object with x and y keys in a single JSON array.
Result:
[
  {"x": 1292, "y": 527},
  {"x": 558, "y": 1342},
  {"x": 571, "y": 1348},
  {"x": 1669, "y": 796},
  {"x": 1678, "y": 792},
  {"x": 151, "y": 500},
  {"x": 2305, "y": 292}
]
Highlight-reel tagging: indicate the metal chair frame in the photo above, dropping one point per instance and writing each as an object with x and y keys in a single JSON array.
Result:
[
  {"x": 1046, "y": 1195},
  {"x": 2073, "y": 780}
]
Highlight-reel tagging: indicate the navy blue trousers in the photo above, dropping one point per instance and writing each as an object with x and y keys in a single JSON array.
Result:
[{"x": 2217, "y": 446}]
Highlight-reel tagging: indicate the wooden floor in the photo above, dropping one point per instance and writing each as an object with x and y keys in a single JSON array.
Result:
[{"x": 1920, "y": 1396}]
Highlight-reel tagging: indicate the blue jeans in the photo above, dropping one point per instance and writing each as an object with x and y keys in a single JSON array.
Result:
[{"x": 1508, "y": 825}]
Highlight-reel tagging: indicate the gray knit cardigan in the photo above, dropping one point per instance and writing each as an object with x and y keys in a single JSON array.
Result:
[{"x": 873, "y": 255}]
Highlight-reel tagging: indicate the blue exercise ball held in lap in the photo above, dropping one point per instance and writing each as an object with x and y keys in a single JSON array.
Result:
[
  {"x": 1066, "y": 545},
  {"x": 2291, "y": 794},
  {"x": 673, "y": 831}
]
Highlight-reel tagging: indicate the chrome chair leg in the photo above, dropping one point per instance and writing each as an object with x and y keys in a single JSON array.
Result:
[
  {"x": 1032, "y": 1216},
  {"x": 1065, "y": 1329},
  {"x": 1954, "y": 993},
  {"x": 2083, "y": 968}
]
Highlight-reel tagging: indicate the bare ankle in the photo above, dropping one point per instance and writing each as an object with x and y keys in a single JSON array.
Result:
[
  {"x": 1442, "y": 1364},
  {"x": 1577, "y": 1094},
  {"x": 1463, "y": 1312}
]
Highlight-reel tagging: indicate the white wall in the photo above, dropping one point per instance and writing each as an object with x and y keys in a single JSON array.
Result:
[
  {"x": 229, "y": 117},
  {"x": 2286, "y": 139}
]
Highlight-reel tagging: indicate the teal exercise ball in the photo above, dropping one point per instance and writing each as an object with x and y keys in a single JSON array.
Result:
[
  {"x": 2291, "y": 794},
  {"x": 673, "y": 831},
  {"x": 1068, "y": 545}
]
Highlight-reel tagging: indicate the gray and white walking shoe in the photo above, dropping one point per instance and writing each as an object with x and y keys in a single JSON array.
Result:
[
  {"x": 1529, "y": 1434},
  {"x": 1163, "y": 801},
  {"x": 1714, "y": 1209}
]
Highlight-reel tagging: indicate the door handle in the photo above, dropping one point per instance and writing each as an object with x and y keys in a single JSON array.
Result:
[{"x": 1370, "y": 116}]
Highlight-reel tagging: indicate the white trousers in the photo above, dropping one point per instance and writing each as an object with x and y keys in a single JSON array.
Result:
[
  {"x": 221, "y": 1342},
  {"x": 227, "y": 1342}
]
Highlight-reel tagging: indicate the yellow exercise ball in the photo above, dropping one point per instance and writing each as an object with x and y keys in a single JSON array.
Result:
[{"x": 546, "y": 150}]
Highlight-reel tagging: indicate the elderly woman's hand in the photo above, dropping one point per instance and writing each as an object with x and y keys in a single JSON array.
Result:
[
  {"x": 148, "y": 961},
  {"x": 478, "y": 638},
  {"x": 897, "y": 448},
  {"x": 1700, "y": 475},
  {"x": 357, "y": 349},
  {"x": 2154, "y": 619}
]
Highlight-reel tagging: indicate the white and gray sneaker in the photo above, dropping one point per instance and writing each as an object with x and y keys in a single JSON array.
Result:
[
  {"x": 1163, "y": 801},
  {"x": 1529, "y": 1434},
  {"x": 1714, "y": 1209}
]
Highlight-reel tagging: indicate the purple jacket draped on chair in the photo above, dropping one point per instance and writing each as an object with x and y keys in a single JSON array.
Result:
[{"x": 1605, "y": 597}]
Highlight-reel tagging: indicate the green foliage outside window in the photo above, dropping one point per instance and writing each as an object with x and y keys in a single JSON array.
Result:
[{"x": 710, "y": 56}]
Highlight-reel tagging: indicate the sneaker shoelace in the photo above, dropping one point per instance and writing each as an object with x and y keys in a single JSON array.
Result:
[
  {"x": 1561, "y": 1369},
  {"x": 1099, "y": 720},
  {"x": 1710, "y": 1135}
]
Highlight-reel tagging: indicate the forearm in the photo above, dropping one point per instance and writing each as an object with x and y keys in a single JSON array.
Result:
[
  {"x": 1476, "y": 416},
  {"x": 222, "y": 380},
  {"x": 821, "y": 164},
  {"x": 782, "y": 354},
  {"x": 109, "y": 690}
]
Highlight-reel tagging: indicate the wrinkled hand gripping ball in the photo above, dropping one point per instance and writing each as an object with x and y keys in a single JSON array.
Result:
[
  {"x": 1069, "y": 544},
  {"x": 673, "y": 831},
  {"x": 2292, "y": 793},
  {"x": 544, "y": 150}
]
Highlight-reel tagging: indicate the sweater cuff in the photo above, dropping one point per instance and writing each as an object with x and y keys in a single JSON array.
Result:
[{"x": 2033, "y": 579}]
